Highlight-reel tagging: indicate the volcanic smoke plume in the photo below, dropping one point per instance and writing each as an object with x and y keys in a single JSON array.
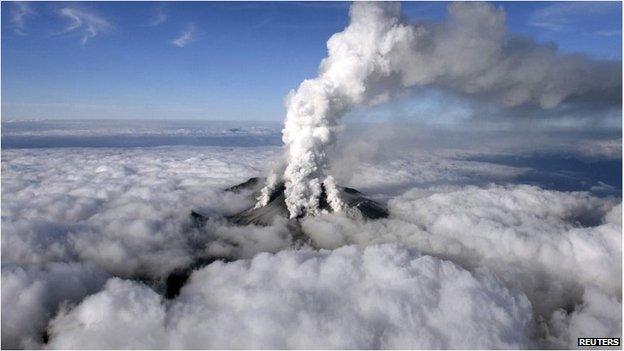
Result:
[
  {"x": 378, "y": 56},
  {"x": 472, "y": 238}
]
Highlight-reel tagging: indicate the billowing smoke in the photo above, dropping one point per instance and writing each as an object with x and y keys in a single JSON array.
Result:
[{"x": 379, "y": 55}]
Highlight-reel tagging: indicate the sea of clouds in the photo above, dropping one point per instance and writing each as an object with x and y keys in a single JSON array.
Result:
[{"x": 478, "y": 252}]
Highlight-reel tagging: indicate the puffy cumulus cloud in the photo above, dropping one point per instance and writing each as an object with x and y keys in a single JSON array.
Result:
[
  {"x": 31, "y": 296},
  {"x": 125, "y": 315},
  {"x": 615, "y": 215},
  {"x": 553, "y": 246},
  {"x": 378, "y": 56},
  {"x": 600, "y": 315},
  {"x": 71, "y": 217},
  {"x": 381, "y": 296},
  {"x": 525, "y": 266},
  {"x": 126, "y": 210}
]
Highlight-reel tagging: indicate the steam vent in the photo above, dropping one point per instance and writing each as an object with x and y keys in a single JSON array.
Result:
[{"x": 356, "y": 205}]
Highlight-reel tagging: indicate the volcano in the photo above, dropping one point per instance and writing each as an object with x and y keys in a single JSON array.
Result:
[{"x": 356, "y": 207}]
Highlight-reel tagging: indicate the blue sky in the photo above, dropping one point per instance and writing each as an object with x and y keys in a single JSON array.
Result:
[{"x": 223, "y": 61}]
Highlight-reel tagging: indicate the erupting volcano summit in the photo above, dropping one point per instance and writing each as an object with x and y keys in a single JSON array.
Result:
[{"x": 353, "y": 205}]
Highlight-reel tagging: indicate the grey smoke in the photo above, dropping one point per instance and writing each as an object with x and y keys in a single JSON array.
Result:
[{"x": 379, "y": 56}]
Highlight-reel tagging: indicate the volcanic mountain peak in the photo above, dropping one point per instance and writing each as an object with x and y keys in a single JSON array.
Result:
[{"x": 356, "y": 205}]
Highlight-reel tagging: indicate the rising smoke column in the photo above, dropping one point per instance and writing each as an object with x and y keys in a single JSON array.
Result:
[
  {"x": 314, "y": 110},
  {"x": 379, "y": 55}
]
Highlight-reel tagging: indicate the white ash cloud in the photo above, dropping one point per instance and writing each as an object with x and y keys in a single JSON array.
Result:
[
  {"x": 382, "y": 296},
  {"x": 407, "y": 156},
  {"x": 379, "y": 55}
]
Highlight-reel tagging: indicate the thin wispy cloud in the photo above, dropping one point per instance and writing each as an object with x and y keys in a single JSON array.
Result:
[
  {"x": 186, "y": 37},
  {"x": 87, "y": 24},
  {"x": 18, "y": 14},
  {"x": 609, "y": 33},
  {"x": 565, "y": 16},
  {"x": 159, "y": 18}
]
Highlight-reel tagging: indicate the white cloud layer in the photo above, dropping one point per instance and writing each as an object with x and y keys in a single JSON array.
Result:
[
  {"x": 529, "y": 237},
  {"x": 125, "y": 210},
  {"x": 32, "y": 295},
  {"x": 383, "y": 296},
  {"x": 90, "y": 234}
]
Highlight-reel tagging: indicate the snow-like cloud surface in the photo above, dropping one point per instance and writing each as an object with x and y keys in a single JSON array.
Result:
[
  {"x": 32, "y": 295},
  {"x": 384, "y": 296},
  {"x": 467, "y": 258},
  {"x": 529, "y": 237},
  {"x": 125, "y": 210}
]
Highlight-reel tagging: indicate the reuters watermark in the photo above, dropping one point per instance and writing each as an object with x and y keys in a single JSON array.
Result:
[{"x": 599, "y": 342}]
